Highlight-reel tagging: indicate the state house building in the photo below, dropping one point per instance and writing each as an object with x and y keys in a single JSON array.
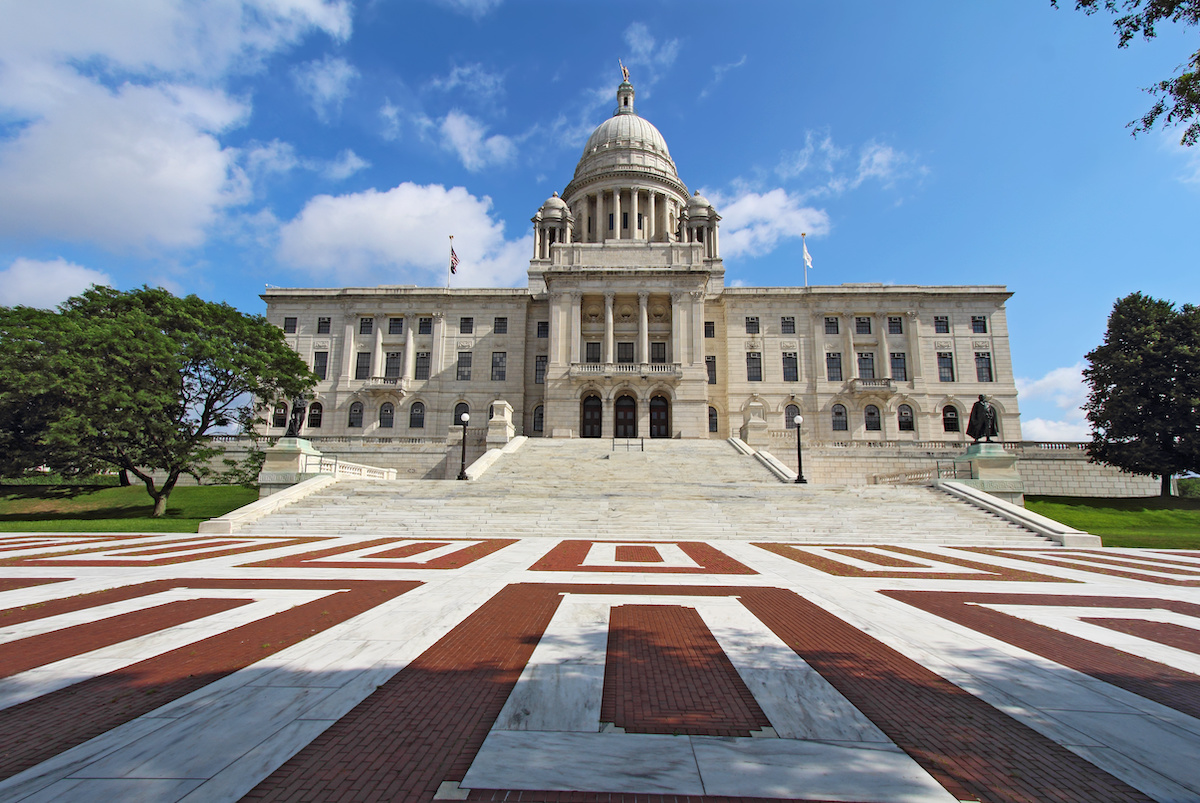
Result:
[{"x": 626, "y": 329}]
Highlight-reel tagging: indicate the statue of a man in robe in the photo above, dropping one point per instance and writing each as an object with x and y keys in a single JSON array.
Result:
[
  {"x": 982, "y": 423},
  {"x": 299, "y": 405}
]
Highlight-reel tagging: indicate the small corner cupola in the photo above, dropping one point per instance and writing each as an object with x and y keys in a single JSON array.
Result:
[{"x": 624, "y": 94}]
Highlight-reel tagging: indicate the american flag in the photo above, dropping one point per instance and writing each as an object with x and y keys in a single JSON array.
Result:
[{"x": 453, "y": 260}]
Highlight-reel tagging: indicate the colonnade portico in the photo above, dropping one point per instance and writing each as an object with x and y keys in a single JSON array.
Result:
[{"x": 659, "y": 212}]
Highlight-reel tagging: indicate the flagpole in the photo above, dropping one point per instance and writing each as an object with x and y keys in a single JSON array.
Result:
[
  {"x": 450, "y": 262},
  {"x": 804, "y": 245}
]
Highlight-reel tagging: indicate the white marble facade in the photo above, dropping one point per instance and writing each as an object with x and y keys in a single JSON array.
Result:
[{"x": 626, "y": 328}]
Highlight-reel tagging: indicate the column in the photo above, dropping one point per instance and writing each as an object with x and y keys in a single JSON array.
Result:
[
  {"x": 851, "y": 354},
  {"x": 915, "y": 371},
  {"x": 651, "y": 220},
  {"x": 437, "y": 356},
  {"x": 716, "y": 244},
  {"x": 410, "y": 347},
  {"x": 698, "y": 330},
  {"x": 597, "y": 231},
  {"x": 676, "y": 328},
  {"x": 643, "y": 328},
  {"x": 616, "y": 214},
  {"x": 377, "y": 355},
  {"x": 576, "y": 325},
  {"x": 885, "y": 355},
  {"x": 608, "y": 327},
  {"x": 633, "y": 212},
  {"x": 348, "y": 348}
]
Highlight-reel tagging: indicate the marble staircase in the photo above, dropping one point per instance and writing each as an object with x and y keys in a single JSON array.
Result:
[{"x": 674, "y": 490}]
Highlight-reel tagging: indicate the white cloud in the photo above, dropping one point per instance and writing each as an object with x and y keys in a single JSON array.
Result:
[
  {"x": 1061, "y": 392},
  {"x": 467, "y": 137},
  {"x": 45, "y": 283},
  {"x": 326, "y": 83},
  {"x": 402, "y": 235},
  {"x": 471, "y": 8},
  {"x": 719, "y": 71},
  {"x": 833, "y": 170},
  {"x": 644, "y": 49},
  {"x": 473, "y": 78},
  {"x": 390, "y": 115},
  {"x": 345, "y": 165},
  {"x": 275, "y": 156},
  {"x": 754, "y": 223}
]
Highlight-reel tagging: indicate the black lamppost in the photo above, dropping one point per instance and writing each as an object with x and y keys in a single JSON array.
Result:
[
  {"x": 462, "y": 472},
  {"x": 799, "y": 457}
]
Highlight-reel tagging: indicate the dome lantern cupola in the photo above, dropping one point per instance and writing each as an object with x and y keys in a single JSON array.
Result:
[
  {"x": 552, "y": 224},
  {"x": 625, "y": 99}
]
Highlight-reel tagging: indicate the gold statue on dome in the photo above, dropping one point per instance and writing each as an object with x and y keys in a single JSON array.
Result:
[{"x": 624, "y": 71}]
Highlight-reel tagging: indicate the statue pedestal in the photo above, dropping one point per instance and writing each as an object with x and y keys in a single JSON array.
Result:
[
  {"x": 755, "y": 432},
  {"x": 289, "y": 461},
  {"x": 994, "y": 471},
  {"x": 500, "y": 429}
]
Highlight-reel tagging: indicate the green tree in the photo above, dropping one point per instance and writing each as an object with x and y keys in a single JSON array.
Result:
[
  {"x": 138, "y": 381},
  {"x": 1176, "y": 100},
  {"x": 1144, "y": 389}
]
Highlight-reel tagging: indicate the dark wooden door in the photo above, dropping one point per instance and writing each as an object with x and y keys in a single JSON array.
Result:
[
  {"x": 625, "y": 418},
  {"x": 592, "y": 417},
  {"x": 660, "y": 418}
]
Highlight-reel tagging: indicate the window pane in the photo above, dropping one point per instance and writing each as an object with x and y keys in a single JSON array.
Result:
[
  {"x": 464, "y": 366},
  {"x": 387, "y": 416},
  {"x": 362, "y": 365},
  {"x": 356, "y": 415},
  {"x": 941, "y": 324},
  {"x": 751, "y": 324},
  {"x": 983, "y": 366},
  {"x": 658, "y": 353},
  {"x": 416, "y": 416},
  {"x": 862, "y": 325},
  {"x": 279, "y": 417},
  {"x": 366, "y": 326},
  {"x": 710, "y": 329},
  {"x": 787, "y": 325},
  {"x": 979, "y": 324},
  {"x": 831, "y": 326},
  {"x": 592, "y": 352},
  {"x": 466, "y": 326},
  {"x": 904, "y": 418},
  {"x": 899, "y": 366},
  {"x": 543, "y": 329},
  {"x": 871, "y": 418},
  {"x": 753, "y": 366},
  {"x": 713, "y": 419},
  {"x": 395, "y": 326},
  {"x": 625, "y": 352},
  {"x": 422, "y": 367},
  {"x": 500, "y": 326},
  {"x": 539, "y": 418},
  {"x": 499, "y": 365},
  {"x": 323, "y": 326},
  {"x": 840, "y": 423},
  {"x": 945, "y": 366},
  {"x": 320, "y": 363},
  {"x": 791, "y": 369},
  {"x": 895, "y": 325},
  {"x": 289, "y": 326},
  {"x": 833, "y": 366},
  {"x": 459, "y": 409},
  {"x": 392, "y": 366},
  {"x": 950, "y": 419},
  {"x": 866, "y": 365},
  {"x": 539, "y": 370},
  {"x": 314, "y": 415},
  {"x": 710, "y": 363},
  {"x": 789, "y": 416},
  {"x": 425, "y": 326}
]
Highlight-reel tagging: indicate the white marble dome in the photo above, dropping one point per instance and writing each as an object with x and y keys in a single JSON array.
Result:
[{"x": 625, "y": 141}]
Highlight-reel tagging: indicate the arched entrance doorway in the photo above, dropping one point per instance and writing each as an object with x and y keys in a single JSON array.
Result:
[
  {"x": 625, "y": 418},
  {"x": 660, "y": 418},
  {"x": 591, "y": 417}
]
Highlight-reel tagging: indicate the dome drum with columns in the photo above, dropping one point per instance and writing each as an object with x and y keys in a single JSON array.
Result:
[{"x": 626, "y": 329}]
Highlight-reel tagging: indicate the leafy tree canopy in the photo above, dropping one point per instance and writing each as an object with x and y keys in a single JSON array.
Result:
[
  {"x": 138, "y": 381},
  {"x": 1176, "y": 100},
  {"x": 1144, "y": 389}
]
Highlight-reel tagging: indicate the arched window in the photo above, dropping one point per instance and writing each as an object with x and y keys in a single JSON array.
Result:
[
  {"x": 713, "y": 419},
  {"x": 279, "y": 416},
  {"x": 416, "y": 416},
  {"x": 789, "y": 416},
  {"x": 539, "y": 418},
  {"x": 356, "y": 413},
  {"x": 904, "y": 418},
  {"x": 950, "y": 418},
  {"x": 314, "y": 415},
  {"x": 459, "y": 409},
  {"x": 491, "y": 411},
  {"x": 840, "y": 422},
  {"x": 871, "y": 418},
  {"x": 387, "y": 415}
]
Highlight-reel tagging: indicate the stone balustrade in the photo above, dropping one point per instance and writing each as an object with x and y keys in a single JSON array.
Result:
[{"x": 659, "y": 370}]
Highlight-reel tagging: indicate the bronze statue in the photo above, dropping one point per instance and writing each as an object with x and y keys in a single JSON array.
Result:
[
  {"x": 982, "y": 423},
  {"x": 299, "y": 405},
  {"x": 624, "y": 71}
]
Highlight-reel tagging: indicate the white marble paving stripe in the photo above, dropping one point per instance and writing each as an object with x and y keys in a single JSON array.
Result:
[
  {"x": 1148, "y": 744},
  {"x": 1087, "y": 562},
  {"x": 57, "y": 546},
  {"x": 127, "y": 553},
  {"x": 367, "y": 553},
  {"x": 928, "y": 566},
  {"x": 1066, "y": 619},
  {"x": 50, "y": 677},
  {"x": 605, "y": 554}
]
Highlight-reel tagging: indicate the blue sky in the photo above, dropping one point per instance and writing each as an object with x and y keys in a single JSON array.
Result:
[{"x": 215, "y": 147}]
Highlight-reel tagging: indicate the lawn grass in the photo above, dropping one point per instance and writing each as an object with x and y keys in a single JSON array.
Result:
[
  {"x": 1153, "y": 522},
  {"x": 83, "y": 508}
]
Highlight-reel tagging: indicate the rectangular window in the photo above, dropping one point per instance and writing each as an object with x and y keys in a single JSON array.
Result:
[
  {"x": 323, "y": 325},
  {"x": 983, "y": 366},
  {"x": 895, "y": 325},
  {"x": 592, "y": 351},
  {"x": 625, "y": 352},
  {"x": 710, "y": 328},
  {"x": 791, "y": 367},
  {"x": 753, "y": 366},
  {"x": 862, "y": 325},
  {"x": 421, "y": 367},
  {"x": 289, "y": 326},
  {"x": 539, "y": 369},
  {"x": 466, "y": 326},
  {"x": 321, "y": 363},
  {"x": 395, "y": 326},
  {"x": 899, "y": 366},
  {"x": 543, "y": 329},
  {"x": 639, "y": 221},
  {"x": 941, "y": 324},
  {"x": 464, "y": 366},
  {"x": 831, "y": 326},
  {"x": 499, "y": 365},
  {"x": 751, "y": 324},
  {"x": 658, "y": 353},
  {"x": 610, "y": 221},
  {"x": 833, "y": 366},
  {"x": 391, "y": 366},
  {"x": 624, "y": 220},
  {"x": 362, "y": 367},
  {"x": 866, "y": 365},
  {"x": 787, "y": 325},
  {"x": 425, "y": 326},
  {"x": 366, "y": 326},
  {"x": 500, "y": 326},
  {"x": 710, "y": 362},
  {"x": 979, "y": 324},
  {"x": 945, "y": 366}
]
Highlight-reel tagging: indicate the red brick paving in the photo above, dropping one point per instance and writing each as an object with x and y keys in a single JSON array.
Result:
[
  {"x": 1171, "y": 687},
  {"x": 456, "y": 560},
  {"x": 1093, "y": 566},
  {"x": 43, "y": 727},
  {"x": 1168, "y": 633},
  {"x": 569, "y": 555},
  {"x": 13, "y": 583},
  {"x": 60, "y": 558},
  {"x": 637, "y": 553},
  {"x": 409, "y": 550},
  {"x": 666, "y": 673},
  {"x": 878, "y": 559},
  {"x": 986, "y": 571},
  {"x": 426, "y": 724}
]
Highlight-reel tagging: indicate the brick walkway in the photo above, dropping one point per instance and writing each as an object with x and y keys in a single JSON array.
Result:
[{"x": 263, "y": 668}]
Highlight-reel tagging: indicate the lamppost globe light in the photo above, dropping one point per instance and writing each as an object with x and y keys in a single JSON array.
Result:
[
  {"x": 799, "y": 420},
  {"x": 465, "y": 417},
  {"x": 462, "y": 471}
]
